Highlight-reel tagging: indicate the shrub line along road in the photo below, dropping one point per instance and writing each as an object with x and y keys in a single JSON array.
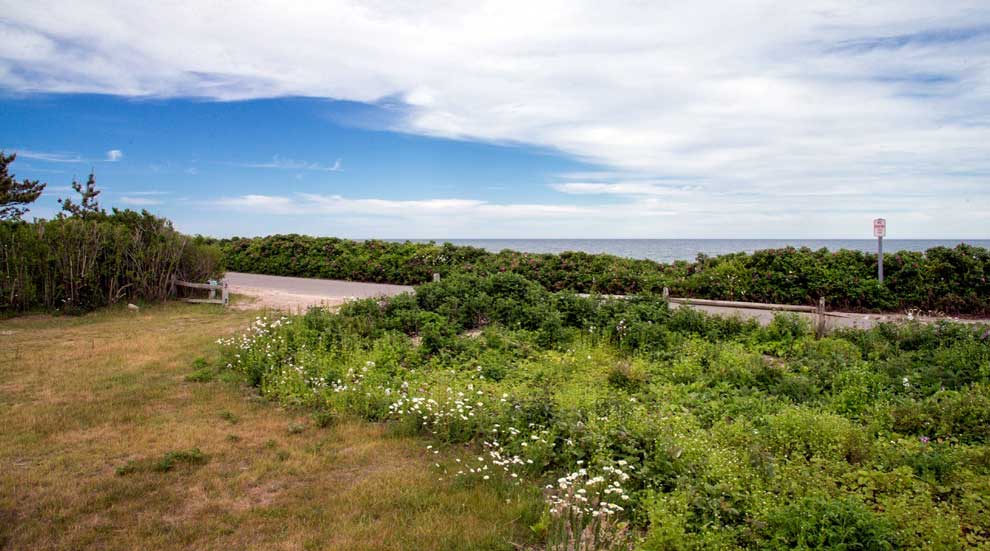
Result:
[{"x": 299, "y": 293}]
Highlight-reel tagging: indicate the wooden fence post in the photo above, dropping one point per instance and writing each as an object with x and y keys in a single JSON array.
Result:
[
  {"x": 821, "y": 317},
  {"x": 225, "y": 294}
]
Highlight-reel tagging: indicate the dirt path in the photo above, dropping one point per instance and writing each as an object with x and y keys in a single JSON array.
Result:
[{"x": 833, "y": 320}]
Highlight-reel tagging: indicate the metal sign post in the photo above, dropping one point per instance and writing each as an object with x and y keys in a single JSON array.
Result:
[{"x": 880, "y": 230}]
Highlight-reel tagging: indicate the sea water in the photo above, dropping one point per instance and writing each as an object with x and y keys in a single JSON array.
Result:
[{"x": 669, "y": 250}]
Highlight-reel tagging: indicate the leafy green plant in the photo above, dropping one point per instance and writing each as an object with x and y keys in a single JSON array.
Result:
[
  {"x": 167, "y": 462},
  {"x": 180, "y": 457},
  {"x": 823, "y": 523},
  {"x": 204, "y": 372}
]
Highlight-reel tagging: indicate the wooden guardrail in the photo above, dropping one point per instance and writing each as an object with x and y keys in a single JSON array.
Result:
[
  {"x": 213, "y": 286},
  {"x": 819, "y": 311},
  {"x": 740, "y": 304}
]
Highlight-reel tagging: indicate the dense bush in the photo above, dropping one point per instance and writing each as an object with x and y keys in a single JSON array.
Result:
[
  {"x": 374, "y": 261},
  {"x": 707, "y": 432},
  {"x": 941, "y": 279},
  {"x": 77, "y": 263}
]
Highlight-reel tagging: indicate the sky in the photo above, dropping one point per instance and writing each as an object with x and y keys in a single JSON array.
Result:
[{"x": 745, "y": 119}]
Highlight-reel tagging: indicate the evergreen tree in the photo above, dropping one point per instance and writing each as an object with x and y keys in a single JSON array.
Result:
[
  {"x": 88, "y": 205},
  {"x": 15, "y": 195}
]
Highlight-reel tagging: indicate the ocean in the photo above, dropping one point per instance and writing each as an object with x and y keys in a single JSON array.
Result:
[{"x": 669, "y": 250}]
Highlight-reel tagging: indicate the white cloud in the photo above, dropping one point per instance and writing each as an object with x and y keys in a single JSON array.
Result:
[
  {"x": 309, "y": 203},
  {"x": 633, "y": 188},
  {"x": 111, "y": 156},
  {"x": 698, "y": 213},
  {"x": 292, "y": 164},
  {"x": 46, "y": 156},
  {"x": 746, "y": 100},
  {"x": 139, "y": 201}
]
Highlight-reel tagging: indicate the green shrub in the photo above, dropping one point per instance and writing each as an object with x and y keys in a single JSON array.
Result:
[
  {"x": 800, "y": 432},
  {"x": 627, "y": 376},
  {"x": 436, "y": 332},
  {"x": 856, "y": 390},
  {"x": 823, "y": 523},
  {"x": 963, "y": 415}
]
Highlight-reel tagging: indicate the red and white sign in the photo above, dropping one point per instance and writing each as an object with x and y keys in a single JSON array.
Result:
[{"x": 879, "y": 228}]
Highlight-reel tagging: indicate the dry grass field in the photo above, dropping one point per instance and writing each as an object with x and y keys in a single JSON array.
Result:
[{"x": 107, "y": 444}]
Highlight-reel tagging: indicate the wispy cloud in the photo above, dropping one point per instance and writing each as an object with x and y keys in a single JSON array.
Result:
[
  {"x": 46, "y": 156},
  {"x": 278, "y": 162},
  {"x": 704, "y": 214},
  {"x": 625, "y": 188},
  {"x": 139, "y": 201},
  {"x": 111, "y": 156},
  {"x": 926, "y": 37},
  {"x": 307, "y": 203},
  {"x": 147, "y": 193}
]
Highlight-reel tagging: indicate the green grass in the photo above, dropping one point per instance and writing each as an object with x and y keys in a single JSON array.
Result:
[{"x": 109, "y": 443}]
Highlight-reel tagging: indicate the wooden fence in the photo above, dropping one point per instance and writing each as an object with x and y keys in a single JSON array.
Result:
[{"x": 212, "y": 287}]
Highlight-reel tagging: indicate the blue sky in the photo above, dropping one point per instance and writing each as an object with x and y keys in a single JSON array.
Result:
[
  {"x": 509, "y": 119},
  {"x": 192, "y": 160}
]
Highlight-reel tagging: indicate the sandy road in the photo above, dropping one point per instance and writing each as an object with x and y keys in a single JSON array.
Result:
[
  {"x": 296, "y": 294},
  {"x": 832, "y": 319}
]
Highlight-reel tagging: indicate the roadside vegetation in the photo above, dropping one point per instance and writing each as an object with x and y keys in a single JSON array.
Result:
[
  {"x": 947, "y": 280},
  {"x": 119, "y": 434},
  {"x": 637, "y": 425},
  {"x": 75, "y": 264},
  {"x": 85, "y": 257}
]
